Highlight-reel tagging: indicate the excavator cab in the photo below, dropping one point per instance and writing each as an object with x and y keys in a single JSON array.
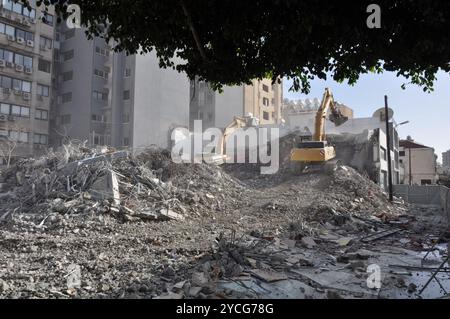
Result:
[{"x": 318, "y": 151}]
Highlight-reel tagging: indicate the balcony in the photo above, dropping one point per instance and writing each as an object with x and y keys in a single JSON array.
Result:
[
  {"x": 16, "y": 19},
  {"x": 15, "y": 96},
  {"x": 18, "y": 44},
  {"x": 15, "y": 70}
]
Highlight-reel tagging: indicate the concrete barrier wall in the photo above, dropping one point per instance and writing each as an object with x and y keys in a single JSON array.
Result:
[{"x": 425, "y": 195}]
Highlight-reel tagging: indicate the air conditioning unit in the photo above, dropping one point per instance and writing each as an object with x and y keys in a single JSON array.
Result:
[
  {"x": 2, "y": 63},
  {"x": 11, "y": 37},
  {"x": 28, "y": 70},
  {"x": 6, "y": 91},
  {"x": 9, "y": 64},
  {"x": 11, "y": 118},
  {"x": 17, "y": 92},
  {"x": 3, "y": 118},
  {"x": 26, "y": 96},
  {"x": 30, "y": 43},
  {"x": 21, "y": 40},
  {"x": 19, "y": 68}
]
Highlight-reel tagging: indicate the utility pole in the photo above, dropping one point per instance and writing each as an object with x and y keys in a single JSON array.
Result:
[
  {"x": 409, "y": 165},
  {"x": 388, "y": 139}
]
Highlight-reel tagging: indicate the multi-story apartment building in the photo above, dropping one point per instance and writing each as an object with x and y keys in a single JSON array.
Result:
[
  {"x": 26, "y": 55},
  {"x": 109, "y": 98},
  {"x": 446, "y": 159},
  {"x": 262, "y": 99}
]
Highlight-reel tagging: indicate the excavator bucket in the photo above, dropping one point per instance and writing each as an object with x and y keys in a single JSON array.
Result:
[{"x": 338, "y": 120}]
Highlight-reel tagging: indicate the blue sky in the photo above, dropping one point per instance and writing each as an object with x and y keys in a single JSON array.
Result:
[{"x": 428, "y": 113}]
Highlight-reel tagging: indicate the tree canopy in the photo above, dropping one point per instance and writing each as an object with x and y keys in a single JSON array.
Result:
[{"x": 227, "y": 42}]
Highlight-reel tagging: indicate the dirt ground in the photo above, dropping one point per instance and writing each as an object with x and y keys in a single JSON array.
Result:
[{"x": 285, "y": 225}]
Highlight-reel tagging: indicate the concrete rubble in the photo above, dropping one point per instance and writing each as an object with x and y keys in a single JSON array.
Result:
[{"x": 101, "y": 223}]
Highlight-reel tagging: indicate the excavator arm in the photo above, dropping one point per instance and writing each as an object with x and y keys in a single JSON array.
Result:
[{"x": 336, "y": 117}]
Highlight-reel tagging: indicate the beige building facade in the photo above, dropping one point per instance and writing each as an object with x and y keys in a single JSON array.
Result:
[
  {"x": 26, "y": 63},
  {"x": 419, "y": 163},
  {"x": 262, "y": 99}
]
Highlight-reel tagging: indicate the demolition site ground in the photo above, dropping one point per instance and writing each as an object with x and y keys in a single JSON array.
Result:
[{"x": 85, "y": 223}]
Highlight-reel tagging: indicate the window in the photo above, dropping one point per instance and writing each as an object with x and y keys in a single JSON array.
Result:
[
  {"x": 47, "y": 19},
  {"x": 28, "y": 62},
  {"x": 126, "y": 95},
  {"x": 402, "y": 153},
  {"x": 44, "y": 66},
  {"x": 126, "y": 141},
  {"x": 40, "y": 139},
  {"x": 101, "y": 73},
  {"x": 7, "y": 55},
  {"x": 125, "y": 118},
  {"x": 18, "y": 110},
  {"x": 15, "y": 84},
  {"x": 127, "y": 72},
  {"x": 20, "y": 8},
  {"x": 100, "y": 95},
  {"x": 383, "y": 153},
  {"x": 43, "y": 90},
  {"x": 69, "y": 34},
  {"x": 67, "y": 97},
  {"x": 67, "y": 76},
  {"x": 22, "y": 137},
  {"x": 102, "y": 51},
  {"x": 266, "y": 116},
  {"x": 65, "y": 119},
  {"x": 6, "y": 82},
  {"x": 5, "y": 108},
  {"x": 98, "y": 118},
  {"x": 9, "y": 30},
  {"x": 265, "y": 101},
  {"x": 16, "y": 58},
  {"x": 425, "y": 182},
  {"x": 41, "y": 115},
  {"x": 45, "y": 43},
  {"x": 265, "y": 88},
  {"x": 68, "y": 55},
  {"x": 19, "y": 33}
]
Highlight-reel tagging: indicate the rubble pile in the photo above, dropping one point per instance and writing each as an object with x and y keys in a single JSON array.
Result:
[
  {"x": 351, "y": 194},
  {"x": 79, "y": 180}
]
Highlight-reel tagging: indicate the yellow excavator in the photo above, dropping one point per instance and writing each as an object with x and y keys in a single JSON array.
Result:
[{"x": 317, "y": 151}]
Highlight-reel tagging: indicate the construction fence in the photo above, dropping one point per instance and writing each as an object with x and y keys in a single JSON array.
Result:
[{"x": 425, "y": 195}]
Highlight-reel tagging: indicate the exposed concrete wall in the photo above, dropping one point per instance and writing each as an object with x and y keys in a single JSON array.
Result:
[
  {"x": 161, "y": 102},
  {"x": 425, "y": 195}
]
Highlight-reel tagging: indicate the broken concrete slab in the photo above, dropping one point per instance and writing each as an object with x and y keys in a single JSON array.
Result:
[
  {"x": 308, "y": 242},
  {"x": 268, "y": 275}
]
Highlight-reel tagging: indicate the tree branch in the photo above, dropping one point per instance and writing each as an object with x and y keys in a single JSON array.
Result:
[{"x": 193, "y": 31}]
